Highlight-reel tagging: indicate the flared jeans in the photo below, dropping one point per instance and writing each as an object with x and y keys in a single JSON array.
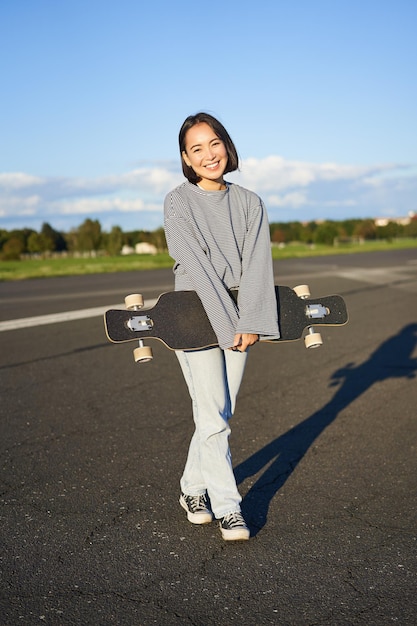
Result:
[{"x": 213, "y": 377}]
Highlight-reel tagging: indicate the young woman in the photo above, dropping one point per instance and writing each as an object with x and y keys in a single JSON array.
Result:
[{"x": 218, "y": 234}]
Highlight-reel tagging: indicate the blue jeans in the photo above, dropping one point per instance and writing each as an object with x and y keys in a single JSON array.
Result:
[{"x": 213, "y": 377}]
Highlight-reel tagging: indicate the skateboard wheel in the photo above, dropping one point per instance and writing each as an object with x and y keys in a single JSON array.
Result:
[
  {"x": 302, "y": 291},
  {"x": 313, "y": 340},
  {"x": 134, "y": 301},
  {"x": 143, "y": 354}
]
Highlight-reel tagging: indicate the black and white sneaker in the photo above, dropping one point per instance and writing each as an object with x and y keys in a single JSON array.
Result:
[
  {"x": 233, "y": 527},
  {"x": 197, "y": 508}
]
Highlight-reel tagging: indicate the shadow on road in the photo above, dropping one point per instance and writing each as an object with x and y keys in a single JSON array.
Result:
[{"x": 391, "y": 360}]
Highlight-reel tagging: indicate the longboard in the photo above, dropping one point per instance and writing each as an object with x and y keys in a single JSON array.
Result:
[{"x": 180, "y": 322}]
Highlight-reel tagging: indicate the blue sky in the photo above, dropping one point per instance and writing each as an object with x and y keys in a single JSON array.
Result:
[{"x": 319, "y": 97}]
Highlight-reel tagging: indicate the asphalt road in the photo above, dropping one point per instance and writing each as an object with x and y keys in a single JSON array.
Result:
[{"x": 324, "y": 449}]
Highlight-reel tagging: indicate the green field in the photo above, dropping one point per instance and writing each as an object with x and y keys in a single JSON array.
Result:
[{"x": 46, "y": 268}]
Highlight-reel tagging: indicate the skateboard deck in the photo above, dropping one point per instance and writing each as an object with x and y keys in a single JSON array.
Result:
[{"x": 179, "y": 320}]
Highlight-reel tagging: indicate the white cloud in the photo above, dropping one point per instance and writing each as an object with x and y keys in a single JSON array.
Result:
[
  {"x": 157, "y": 180},
  {"x": 18, "y": 180},
  {"x": 275, "y": 173},
  {"x": 294, "y": 199},
  {"x": 19, "y": 206},
  {"x": 101, "y": 205},
  {"x": 292, "y": 190},
  {"x": 84, "y": 206}
]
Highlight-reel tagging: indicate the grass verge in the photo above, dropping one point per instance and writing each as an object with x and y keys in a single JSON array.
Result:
[{"x": 46, "y": 268}]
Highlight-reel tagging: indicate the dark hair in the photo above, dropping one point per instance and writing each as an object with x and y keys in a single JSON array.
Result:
[{"x": 220, "y": 131}]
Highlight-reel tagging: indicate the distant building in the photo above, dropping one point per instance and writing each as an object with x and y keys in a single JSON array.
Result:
[
  {"x": 145, "y": 248},
  {"x": 140, "y": 248},
  {"x": 127, "y": 250},
  {"x": 402, "y": 221}
]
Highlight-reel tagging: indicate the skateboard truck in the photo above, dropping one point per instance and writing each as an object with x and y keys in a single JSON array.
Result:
[
  {"x": 141, "y": 322},
  {"x": 313, "y": 311},
  {"x": 134, "y": 302},
  {"x": 316, "y": 311}
]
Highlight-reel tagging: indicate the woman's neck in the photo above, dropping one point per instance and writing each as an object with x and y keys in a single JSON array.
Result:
[{"x": 214, "y": 185}]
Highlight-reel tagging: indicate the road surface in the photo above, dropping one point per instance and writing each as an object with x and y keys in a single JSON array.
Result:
[{"x": 324, "y": 450}]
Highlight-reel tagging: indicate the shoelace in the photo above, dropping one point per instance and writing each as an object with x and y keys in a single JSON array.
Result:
[
  {"x": 197, "y": 503},
  {"x": 234, "y": 519}
]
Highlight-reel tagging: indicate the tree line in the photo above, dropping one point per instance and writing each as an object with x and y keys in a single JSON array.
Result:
[
  {"x": 331, "y": 232},
  {"x": 89, "y": 238}
]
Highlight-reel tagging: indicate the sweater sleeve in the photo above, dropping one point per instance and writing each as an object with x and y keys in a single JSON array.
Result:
[
  {"x": 257, "y": 300},
  {"x": 185, "y": 249}
]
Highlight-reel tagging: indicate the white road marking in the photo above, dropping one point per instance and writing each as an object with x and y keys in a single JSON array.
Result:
[
  {"x": 66, "y": 316},
  {"x": 373, "y": 275},
  {"x": 402, "y": 278}
]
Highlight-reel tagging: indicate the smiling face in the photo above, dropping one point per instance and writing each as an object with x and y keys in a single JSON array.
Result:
[{"x": 206, "y": 153}]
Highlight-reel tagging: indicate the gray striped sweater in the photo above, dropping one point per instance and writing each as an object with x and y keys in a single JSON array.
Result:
[{"x": 220, "y": 240}]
